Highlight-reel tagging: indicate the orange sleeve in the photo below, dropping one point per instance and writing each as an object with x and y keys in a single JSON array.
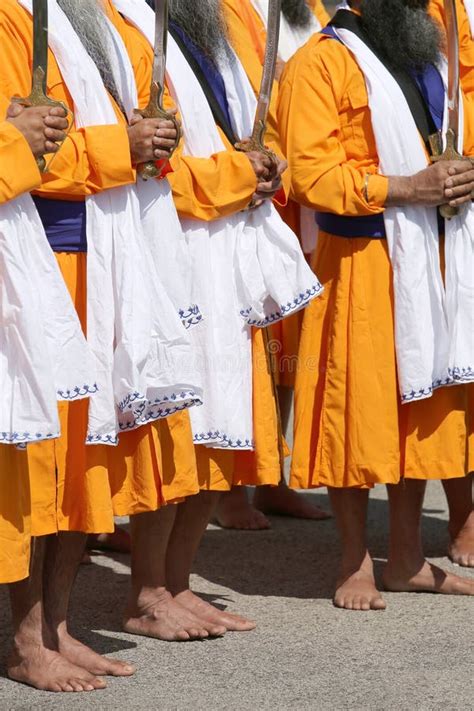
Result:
[
  {"x": 209, "y": 188},
  {"x": 327, "y": 132},
  {"x": 91, "y": 159},
  {"x": 19, "y": 173}
]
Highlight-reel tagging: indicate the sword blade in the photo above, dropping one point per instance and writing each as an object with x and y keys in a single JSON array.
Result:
[
  {"x": 269, "y": 66},
  {"x": 161, "y": 37},
  {"x": 453, "y": 64},
  {"x": 40, "y": 40}
]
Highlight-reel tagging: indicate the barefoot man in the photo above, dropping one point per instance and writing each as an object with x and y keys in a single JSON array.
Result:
[
  {"x": 247, "y": 23},
  {"x": 24, "y": 136},
  {"x": 378, "y": 339},
  {"x": 234, "y": 432},
  {"x": 459, "y": 492},
  {"x": 70, "y": 490}
]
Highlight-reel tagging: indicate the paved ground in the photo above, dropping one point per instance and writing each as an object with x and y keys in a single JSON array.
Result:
[{"x": 304, "y": 655}]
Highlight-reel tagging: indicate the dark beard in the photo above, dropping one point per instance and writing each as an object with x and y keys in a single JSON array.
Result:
[
  {"x": 204, "y": 22},
  {"x": 296, "y": 12},
  {"x": 90, "y": 24},
  {"x": 402, "y": 32}
]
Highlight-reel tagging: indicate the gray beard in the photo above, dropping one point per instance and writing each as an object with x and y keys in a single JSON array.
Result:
[
  {"x": 90, "y": 23},
  {"x": 296, "y": 12},
  {"x": 402, "y": 32},
  {"x": 204, "y": 22}
]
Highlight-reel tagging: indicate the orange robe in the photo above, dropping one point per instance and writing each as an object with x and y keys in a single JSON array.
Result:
[
  {"x": 207, "y": 189},
  {"x": 15, "y": 506},
  {"x": 70, "y": 484},
  {"x": 350, "y": 428}
]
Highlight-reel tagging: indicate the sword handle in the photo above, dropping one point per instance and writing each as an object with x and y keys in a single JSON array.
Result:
[
  {"x": 256, "y": 143},
  {"x": 156, "y": 110},
  {"x": 449, "y": 153},
  {"x": 38, "y": 97}
]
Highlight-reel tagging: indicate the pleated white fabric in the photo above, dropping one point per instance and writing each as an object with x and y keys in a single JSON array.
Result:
[
  {"x": 434, "y": 322},
  {"x": 247, "y": 269},
  {"x": 44, "y": 356},
  {"x": 138, "y": 340}
]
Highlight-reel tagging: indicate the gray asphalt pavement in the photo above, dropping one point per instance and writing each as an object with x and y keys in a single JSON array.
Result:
[{"x": 305, "y": 654}]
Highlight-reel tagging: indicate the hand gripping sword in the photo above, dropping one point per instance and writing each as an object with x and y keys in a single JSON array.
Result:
[
  {"x": 155, "y": 108},
  {"x": 451, "y": 137},
  {"x": 257, "y": 143},
  {"x": 38, "y": 96}
]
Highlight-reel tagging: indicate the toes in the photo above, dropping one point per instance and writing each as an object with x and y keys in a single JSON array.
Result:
[
  {"x": 182, "y": 636},
  {"x": 116, "y": 668},
  {"x": 377, "y": 603},
  {"x": 217, "y": 631},
  {"x": 67, "y": 687},
  {"x": 97, "y": 683}
]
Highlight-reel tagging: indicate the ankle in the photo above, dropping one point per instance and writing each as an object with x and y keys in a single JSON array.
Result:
[
  {"x": 356, "y": 559},
  {"x": 144, "y": 598},
  {"x": 460, "y": 521}
]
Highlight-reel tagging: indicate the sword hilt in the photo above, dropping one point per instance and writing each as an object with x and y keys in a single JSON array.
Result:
[
  {"x": 38, "y": 97},
  {"x": 450, "y": 153},
  {"x": 156, "y": 110},
  {"x": 256, "y": 143}
]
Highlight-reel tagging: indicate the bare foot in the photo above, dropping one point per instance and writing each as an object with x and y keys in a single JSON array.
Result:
[
  {"x": 118, "y": 541},
  {"x": 428, "y": 578},
  {"x": 461, "y": 547},
  {"x": 235, "y": 511},
  {"x": 78, "y": 653},
  {"x": 164, "y": 618},
  {"x": 283, "y": 501},
  {"x": 31, "y": 663},
  {"x": 210, "y": 614},
  {"x": 356, "y": 589}
]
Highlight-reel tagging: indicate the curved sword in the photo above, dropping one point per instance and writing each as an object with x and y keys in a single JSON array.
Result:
[
  {"x": 257, "y": 139},
  {"x": 155, "y": 108},
  {"x": 451, "y": 137}
]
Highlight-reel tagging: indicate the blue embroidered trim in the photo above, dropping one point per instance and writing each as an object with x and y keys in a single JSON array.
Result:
[
  {"x": 152, "y": 415},
  {"x": 298, "y": 303},
  {"x": 25, "y": 437},
  {"x": 191, "y": 316},
  {"x": 223, "y": 440},
  {"x": 127, "y": 401},
  {"x": 77, "y": 392},
  {"x": 455, "y": 376}
]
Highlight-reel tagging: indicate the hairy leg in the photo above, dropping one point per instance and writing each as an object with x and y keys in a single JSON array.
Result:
[
  {"x": 191, "y": 523},
  {"x": 355, "y": 588},
  {"x": 407, "y": 570},
  {"x": 31, "y": 660},
  {"x": 63, "y": 556}
]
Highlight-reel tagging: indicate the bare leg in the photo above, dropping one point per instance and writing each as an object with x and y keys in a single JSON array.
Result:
[
  {"x": 234, "y": 510},
  {"x": 31, "y": 661},
  {"x": 63, "y": 556},
  {"x": 355, "y": 589},
  {"x": 407, "y": 570},
  {"x": 191, "y": 522},
  {"x": 151, "y": 610},
  {"x": 461, "y": 520}
]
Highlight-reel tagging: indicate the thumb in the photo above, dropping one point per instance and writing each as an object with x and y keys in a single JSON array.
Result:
[{"x": 14, "y": 110}]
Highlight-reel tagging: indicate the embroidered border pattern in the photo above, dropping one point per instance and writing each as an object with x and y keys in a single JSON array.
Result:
[
  {"x": 152, "y": 415},
  {"x": 223, "y": 440},
  {"x": 298, "y": 303},
  {"x": 456, "y": 376},
  {"x": 77, "y": 392},
  {"x": 25, "y": 437},
  {"x": 127, "y": 401}
]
